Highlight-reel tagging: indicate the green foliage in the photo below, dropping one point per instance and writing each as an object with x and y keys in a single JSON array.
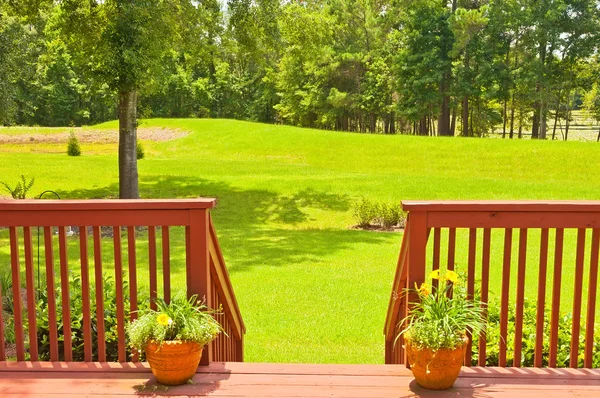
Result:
[
  {"x": 385, "y": 215},
  {"x": 77, "y": 324},
  {"x": 565, "y": 324},
  {"x": 139, "y": 150},
  {"x": 73, "y": 148},
  {"x": 21, "y": 188},
  {"x": 443, "y": 315},
  {"x": 181, "y": 319}
]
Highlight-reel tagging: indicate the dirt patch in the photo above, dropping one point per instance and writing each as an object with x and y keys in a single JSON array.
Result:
[
  {"x": 93, "y": 136},
  {"x": 379, "y": 228}
]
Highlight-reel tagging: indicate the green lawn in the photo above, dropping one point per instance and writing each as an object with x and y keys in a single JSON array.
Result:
[{"x": 311, "y": 289}]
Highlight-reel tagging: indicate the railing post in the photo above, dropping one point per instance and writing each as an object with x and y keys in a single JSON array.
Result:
[
  {"x": 198, "y": 275},
  {"x": 416, "y": 258}
]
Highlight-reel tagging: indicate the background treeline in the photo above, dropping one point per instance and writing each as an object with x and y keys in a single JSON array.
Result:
[{"x": 458, "y": 67}]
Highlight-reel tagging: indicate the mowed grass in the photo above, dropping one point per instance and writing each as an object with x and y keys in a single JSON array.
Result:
[{"x": 311, "y": 289}]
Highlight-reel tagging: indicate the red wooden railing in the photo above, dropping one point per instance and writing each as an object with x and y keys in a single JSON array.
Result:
[
  {"x": 191, "y": 261},
  {"x": 452, "y": 221}
]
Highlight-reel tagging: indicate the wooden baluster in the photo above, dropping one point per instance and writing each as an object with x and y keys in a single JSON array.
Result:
[
  {"x": 504, "y": 296},
  {"x": 51, "y": 291},
  {"x": 591, "y": 303},
  {"x": 436, "y": 253},
  {"x": 541, "y": 301},
  {"x": 485, "y": 282},
  {"x": 16, "y": 292},
  {"x": 520, "y": 296},
  {"x": 166, "y": 255},
  {"x": 555, "y": 316},
  {"x": 451, "y": 248},
  {"x": 119, "y": 292},
  {"x": 577, "y": 298},
  {"x": 85, "y": 294},
  {"x": 64, "y": 282},
  {"x": 471, "y": 285},
  {"x": 152, "y": 263},
  {"x": 31, "y": 299},
  {"x": 132, "y": 280},
  {"x": 2, "y": 343},
  {"x": 198, "y": 276},
  {"x": 99, "y": 293}
]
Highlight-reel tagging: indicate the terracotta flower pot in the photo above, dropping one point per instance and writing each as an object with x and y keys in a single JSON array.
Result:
[
  {"x": 174, "y": 362},
  {"x": 435, "y": 370}
]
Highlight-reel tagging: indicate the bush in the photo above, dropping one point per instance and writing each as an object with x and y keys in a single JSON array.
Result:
[
  {"x": 139, "y": 150},
  {"x": 73, "y": 148},
  {"x": 365, "y": 212},
  {"x": 384, "y": 215}
]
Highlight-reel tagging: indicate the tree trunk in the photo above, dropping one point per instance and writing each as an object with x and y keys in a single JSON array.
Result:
[
  {"x": 511, "y": 133},
  {"x": 453, "y": 122},
  {"x": 128, "y": 172},
  {"x": 465, "y": 116},
  {"x": 423, "y": 126},
  {"x": 504, "y": 118},
  {"x": 444, "y": 117},
  {"x": 598, "y": 139}
]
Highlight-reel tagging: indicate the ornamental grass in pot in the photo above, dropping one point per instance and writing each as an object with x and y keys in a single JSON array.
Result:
[
  {"x": 172, "y": 337},
  {"x": 436, "y": 329}
]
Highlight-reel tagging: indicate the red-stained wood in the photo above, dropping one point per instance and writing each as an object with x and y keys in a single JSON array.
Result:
[
  {"x": 555, "y": 314},
  {"x": 199, "y": 265},
  {"x": 51, "y": 291},
  {"x": 2, "y": 342},
  {"x": 591, "y": 303},
  {"x": 436, "y": 253},
  {"x": 471, "y": 285},
  {"x": 451, "y": 248},
  {"x": 497, "y": 206},
  {"x": 166, "y": 263},
  {"x": 485, "y": 283},
  {"x": 520, "y": 296},
  {"x": 541, "y": 299},
  {"x": 16, "y": 293},
  {"x": 30, "y": 286},
  {"x": 89, "y": 205},
  {"x": 152, "y": 265},
  {"x": 64, "y": 283},
  {"x": 131, "y": 260},
  {"x": 504, "y": 296},
  {"x": 85, "y": 293},
  {"x": 118, "y": 255},
  {"x": 99, "y": 280},
  {"x": 577, "y": 297},
  {"x": 513, "y": 219}
]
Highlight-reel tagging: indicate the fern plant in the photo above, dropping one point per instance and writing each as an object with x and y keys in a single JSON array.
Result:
[{"x": 20, "y": 190}]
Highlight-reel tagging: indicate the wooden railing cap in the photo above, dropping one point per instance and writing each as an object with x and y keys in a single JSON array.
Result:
[
  {"x": 107, "y": 204},
  {"x": 503, "y": 205}
]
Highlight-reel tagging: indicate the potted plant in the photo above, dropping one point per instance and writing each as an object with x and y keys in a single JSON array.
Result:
[
  {"x": 172, "y": 337},
  {"x": 436, "y": 330}
]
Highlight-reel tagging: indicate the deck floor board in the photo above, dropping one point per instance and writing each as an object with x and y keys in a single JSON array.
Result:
[{"x": 253, "y": 380}]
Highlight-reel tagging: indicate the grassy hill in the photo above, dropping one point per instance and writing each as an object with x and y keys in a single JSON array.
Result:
[{"x": 311, "y": 289}]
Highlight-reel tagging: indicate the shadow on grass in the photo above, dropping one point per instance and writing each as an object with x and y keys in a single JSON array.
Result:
[{"x": 244, "y": 219}]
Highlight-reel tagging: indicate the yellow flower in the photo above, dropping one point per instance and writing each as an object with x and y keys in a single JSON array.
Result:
[
  {"x": 452, "y": 276},
  {"x": 425, "y": 289},
  {"x": 435, "y": 274},
  {"x": 163, "y": 319}
]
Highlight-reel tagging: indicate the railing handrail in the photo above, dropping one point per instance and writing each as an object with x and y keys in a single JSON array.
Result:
[
  {"x": 106, "y": 204},
  {"x": 502, "y": 205},
  {"x": 224, "y": 281}
]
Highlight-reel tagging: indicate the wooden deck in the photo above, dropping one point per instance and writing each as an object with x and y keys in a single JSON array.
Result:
[{"x": 26, "y": 379}]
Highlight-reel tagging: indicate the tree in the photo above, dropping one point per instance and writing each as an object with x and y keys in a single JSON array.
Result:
[{"x": 122, "y": 42}]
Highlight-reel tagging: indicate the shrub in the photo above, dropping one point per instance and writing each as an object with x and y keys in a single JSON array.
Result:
[
  {"x": 365, "y": 212},
  {"x": 390, "y": 215},
  {"x": 20, "y": 190},
  {"x": 73, "y": 148},
  {"x": 139, "y": 150}
]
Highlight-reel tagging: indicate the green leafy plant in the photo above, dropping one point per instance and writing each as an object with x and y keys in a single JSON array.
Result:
[
  {"x": 365, "y": 212},
  {"x": 73, "y": 148},
  {"x": 139, "y": 150},
  {"x": 182, "y": 319},
  {"x": 443, "y": 315},
  {"x": 390, "y": 215},
  {"x": 20, "y": 190}
]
